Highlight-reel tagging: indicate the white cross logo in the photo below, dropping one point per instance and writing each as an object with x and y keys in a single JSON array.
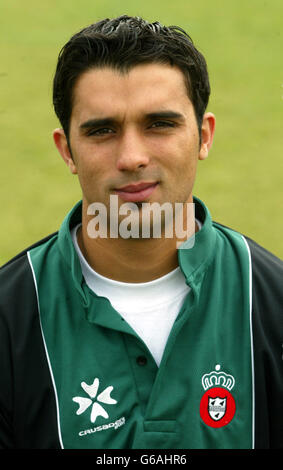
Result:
[{"x": 97, "y": 409}]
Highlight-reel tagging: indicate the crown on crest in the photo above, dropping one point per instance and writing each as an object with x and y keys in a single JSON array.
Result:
[{"x": 217, "y": 378}]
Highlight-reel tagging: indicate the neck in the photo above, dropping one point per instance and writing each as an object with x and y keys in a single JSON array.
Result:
[{"x": 130, "y": 260}]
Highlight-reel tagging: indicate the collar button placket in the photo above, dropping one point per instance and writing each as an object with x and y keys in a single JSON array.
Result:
[{"x": 141, "y": 360}]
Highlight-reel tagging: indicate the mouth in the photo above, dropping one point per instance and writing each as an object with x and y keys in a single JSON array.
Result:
[{"x": 136, "y": 192}]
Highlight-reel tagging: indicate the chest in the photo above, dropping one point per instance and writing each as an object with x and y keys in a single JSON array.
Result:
[{"x": 111, "y": 394}]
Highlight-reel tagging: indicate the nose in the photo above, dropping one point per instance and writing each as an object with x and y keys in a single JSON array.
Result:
[{"x": 131, "y": 153}]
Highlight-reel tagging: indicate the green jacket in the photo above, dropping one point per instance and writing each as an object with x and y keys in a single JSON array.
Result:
[{"x": 75, "y": 375}]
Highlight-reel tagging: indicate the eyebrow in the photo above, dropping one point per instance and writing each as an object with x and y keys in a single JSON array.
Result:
[
  {"x": 97, "y": 122},
  {"x": 107, "y": 121},
  {"x": 165, "y": 115}
]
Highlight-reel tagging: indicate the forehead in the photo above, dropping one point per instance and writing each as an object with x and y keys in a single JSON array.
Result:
[{"x": 144, "y": 88}]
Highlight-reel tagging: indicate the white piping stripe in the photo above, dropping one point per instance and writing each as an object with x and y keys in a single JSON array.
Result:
[
  {"x": 252, "y": 350},
  {"x": 46, "y": 352}
]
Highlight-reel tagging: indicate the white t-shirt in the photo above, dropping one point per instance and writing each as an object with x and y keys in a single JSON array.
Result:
[{"x": 150, "y": 308}]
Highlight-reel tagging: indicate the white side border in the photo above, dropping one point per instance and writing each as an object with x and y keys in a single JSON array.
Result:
[
  {"x": 252, "y": 349},
  {"x": 46, "y": 352}
]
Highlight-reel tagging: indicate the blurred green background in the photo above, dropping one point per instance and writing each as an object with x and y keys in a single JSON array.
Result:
[{"x": 241, "y": 181}]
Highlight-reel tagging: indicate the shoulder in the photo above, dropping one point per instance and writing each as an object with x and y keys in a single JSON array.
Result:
[
  {"x": 16, "y": 281},
  {"x": 267, "y": 276},
  {"x": 266, "y": 301},
  {"x": 24, "y": 252},
  {"x": 264, "y": 264},
  {"x": 267, "y": 292},
  {"x": 13, "y": 262}
]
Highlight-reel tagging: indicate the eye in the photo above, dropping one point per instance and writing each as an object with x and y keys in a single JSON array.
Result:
[
  {"x": 161, "y": 124},
  {"x": 99, "y": 132}
]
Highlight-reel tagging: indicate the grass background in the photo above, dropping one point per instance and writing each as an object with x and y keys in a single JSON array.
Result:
[{"x": 241, "y": 181}]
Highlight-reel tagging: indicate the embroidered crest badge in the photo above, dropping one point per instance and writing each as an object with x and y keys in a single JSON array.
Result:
[{"x": 217, "y": 406}]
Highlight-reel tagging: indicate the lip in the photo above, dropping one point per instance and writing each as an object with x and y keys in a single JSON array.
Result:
[{"x": 136, "y": 192}]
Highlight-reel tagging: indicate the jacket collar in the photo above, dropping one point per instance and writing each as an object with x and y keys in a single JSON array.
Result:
[{"x": 193, "y": 257}]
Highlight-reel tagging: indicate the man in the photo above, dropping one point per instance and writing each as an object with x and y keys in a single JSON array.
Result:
[{"x": 117, "y": 336}]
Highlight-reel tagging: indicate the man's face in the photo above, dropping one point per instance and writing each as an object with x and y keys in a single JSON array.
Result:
[{"x": 137, "y": 128}]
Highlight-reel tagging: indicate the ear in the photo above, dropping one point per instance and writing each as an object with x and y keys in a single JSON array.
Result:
[
  {"x": 62, "y": 145},
  {"x": 207, "y": 134}
]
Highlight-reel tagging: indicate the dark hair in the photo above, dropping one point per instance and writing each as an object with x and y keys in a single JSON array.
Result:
[{"x": 122, "y": 43}]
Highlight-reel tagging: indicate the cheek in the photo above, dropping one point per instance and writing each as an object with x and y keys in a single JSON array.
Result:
[
  {"x": 89, "y": 163},
  {"x": 182, "y": 157},
  {"x": 89, "y": 173},
  {"x": 181, "y": 170}
]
